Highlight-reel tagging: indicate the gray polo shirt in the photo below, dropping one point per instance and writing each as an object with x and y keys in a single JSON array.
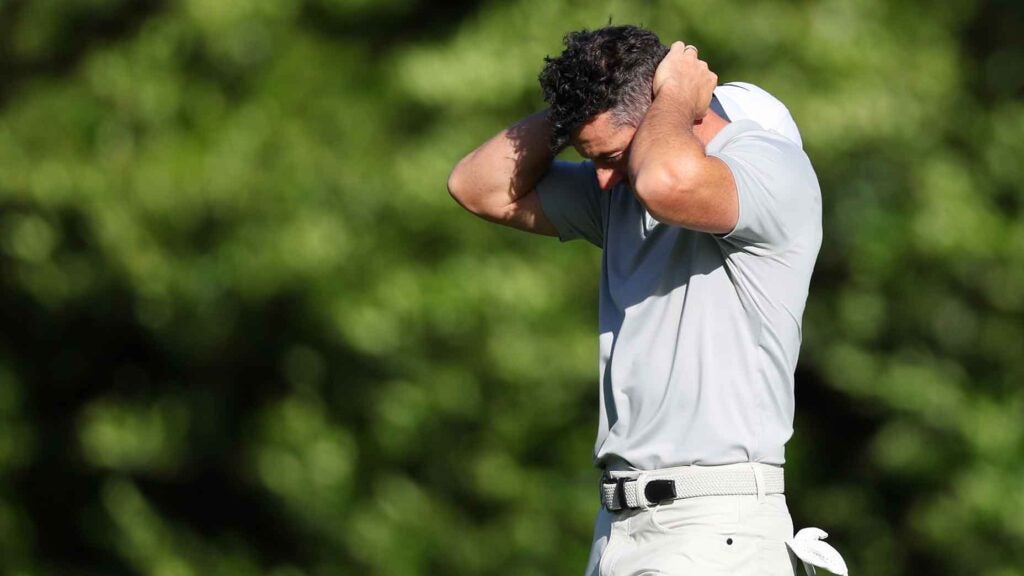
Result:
[{"x": 699, "y": 333}]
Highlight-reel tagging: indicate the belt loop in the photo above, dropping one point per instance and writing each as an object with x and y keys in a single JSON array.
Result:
[{"x": 758, "y": 480}]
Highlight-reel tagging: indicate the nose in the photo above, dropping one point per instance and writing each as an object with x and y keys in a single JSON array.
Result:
[{"x": 608, "y": 177}]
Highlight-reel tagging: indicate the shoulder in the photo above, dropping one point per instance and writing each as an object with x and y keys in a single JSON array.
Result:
[
  {"x": 746, "y": 135},
  {"x": 777, "y": 190},
  {"x": 745, "y": 141}
]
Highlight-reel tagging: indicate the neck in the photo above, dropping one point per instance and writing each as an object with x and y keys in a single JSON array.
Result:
[{"x": 706, "y": 129}]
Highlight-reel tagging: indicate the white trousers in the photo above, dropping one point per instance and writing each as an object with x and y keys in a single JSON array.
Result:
[{"x": 702, "y": 536}]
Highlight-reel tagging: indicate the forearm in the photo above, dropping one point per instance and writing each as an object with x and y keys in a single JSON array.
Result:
[
  {"x": 504, "y": 168},
  {"x": 665, "y": 153}
]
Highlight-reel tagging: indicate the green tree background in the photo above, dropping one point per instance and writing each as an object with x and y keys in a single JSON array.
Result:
[{"x": 246, "y": 330}]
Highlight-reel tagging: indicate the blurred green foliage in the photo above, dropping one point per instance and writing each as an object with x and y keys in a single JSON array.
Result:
[{"x": 246, "y": 331}]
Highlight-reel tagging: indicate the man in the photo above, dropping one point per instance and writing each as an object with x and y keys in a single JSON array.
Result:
[{"x": 709, "y": 230}]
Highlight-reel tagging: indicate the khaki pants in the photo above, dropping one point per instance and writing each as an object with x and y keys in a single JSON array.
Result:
[{"x": 707, "y": 535}]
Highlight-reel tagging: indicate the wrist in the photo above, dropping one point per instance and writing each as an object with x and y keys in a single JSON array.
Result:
[
  {"x": 674, "y": 97},
  {"x": 667, "y": 89}
]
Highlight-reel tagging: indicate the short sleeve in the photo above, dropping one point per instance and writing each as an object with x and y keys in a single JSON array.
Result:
[
  {"x": 778, "y": 193},
  {"x": 572, "y": 201}
]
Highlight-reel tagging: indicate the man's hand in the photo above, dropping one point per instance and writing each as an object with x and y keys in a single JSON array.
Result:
[
  {"x": 686, "y": 78},
  {"x": 671, "y": 173}
]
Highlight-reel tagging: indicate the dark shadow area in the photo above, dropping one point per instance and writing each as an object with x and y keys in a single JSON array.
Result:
[
  {"x": 386, "y": 26},
  {"x": 77, "y": 30},
  {"x": 95, "y": 347}
]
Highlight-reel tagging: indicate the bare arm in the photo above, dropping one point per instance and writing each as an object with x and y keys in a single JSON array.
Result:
[
  {"x": 672, "y": 176},
  {"x": 497, "y": 180}
]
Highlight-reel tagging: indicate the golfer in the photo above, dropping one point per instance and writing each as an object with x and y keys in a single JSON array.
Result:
[{"x": 708, "y": 213}]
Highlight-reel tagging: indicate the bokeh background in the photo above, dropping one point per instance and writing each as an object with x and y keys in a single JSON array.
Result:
[{"x": 245, "y": 330}]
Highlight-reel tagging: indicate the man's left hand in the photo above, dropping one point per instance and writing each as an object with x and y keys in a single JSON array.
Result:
[{"x": 683, "y": 74}]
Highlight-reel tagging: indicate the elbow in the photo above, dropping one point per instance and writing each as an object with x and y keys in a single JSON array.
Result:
[
  {"x": 649, "y": 185},
  {"x": 455, "y": 184},
  {"x": 469, "y": 192},
  {"x": 660, "y": 188},
  {"x": 458, "y": 188}
]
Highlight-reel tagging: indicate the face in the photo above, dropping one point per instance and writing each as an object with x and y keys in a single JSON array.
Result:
[{"x": 607, "y": 145}]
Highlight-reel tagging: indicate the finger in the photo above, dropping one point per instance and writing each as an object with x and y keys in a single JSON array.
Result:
[{"x": 691, "y": 47}]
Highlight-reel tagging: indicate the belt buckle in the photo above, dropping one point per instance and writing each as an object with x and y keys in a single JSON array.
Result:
[{"x": 619, "y": 495}]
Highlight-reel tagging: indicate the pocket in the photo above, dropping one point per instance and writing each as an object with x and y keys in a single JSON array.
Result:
[
  {"x": 774, "y": 505},
  {"x": 770, "y": 519},
  {"x": 694, "y": 553},
  {"x": 702, "y": 514}
]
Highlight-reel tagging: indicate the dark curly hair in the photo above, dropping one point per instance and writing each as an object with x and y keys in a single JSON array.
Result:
[{"x": 610, "y": 68}]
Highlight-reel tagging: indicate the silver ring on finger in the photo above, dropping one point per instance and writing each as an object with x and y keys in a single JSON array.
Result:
[{"x": 691, "y": 47}]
